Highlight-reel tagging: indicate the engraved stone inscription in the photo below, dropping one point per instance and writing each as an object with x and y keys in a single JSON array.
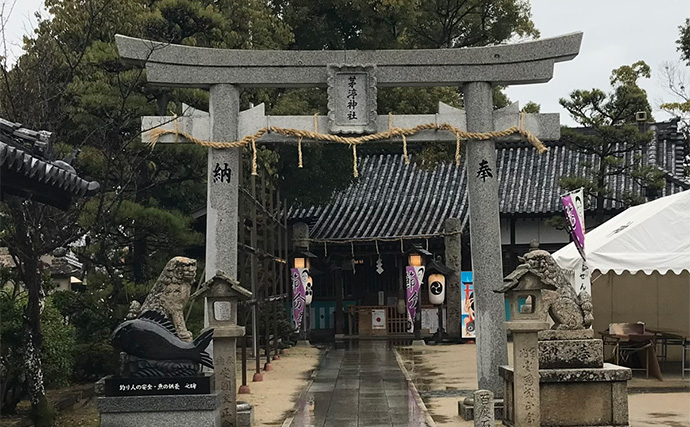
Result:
[
  {"x": 351, "y": 98},
  {"x": 222, "y": 310}
]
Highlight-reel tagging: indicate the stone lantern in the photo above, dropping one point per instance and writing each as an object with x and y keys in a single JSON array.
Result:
[
  {"x": 222, "y": 294},
  {"x": 416, "y": 256},
  {"x": 302, "y": 259},
  {"x": 523, "y": 291}
]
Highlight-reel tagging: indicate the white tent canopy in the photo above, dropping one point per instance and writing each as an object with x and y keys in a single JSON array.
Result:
[{"x": 654, "y": 236}]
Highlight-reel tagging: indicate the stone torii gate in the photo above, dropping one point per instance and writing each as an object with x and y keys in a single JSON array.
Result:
[{"x": 225, "y": 72}]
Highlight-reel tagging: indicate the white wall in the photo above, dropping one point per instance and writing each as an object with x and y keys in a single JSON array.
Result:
[
  {"x": 528, "y": 229},
  {"x": 660, "y": 301}
]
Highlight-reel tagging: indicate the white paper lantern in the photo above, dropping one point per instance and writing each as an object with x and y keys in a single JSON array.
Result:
[
  {"x": 437, "y": 288},
  {"x": 308, "y": 292}
]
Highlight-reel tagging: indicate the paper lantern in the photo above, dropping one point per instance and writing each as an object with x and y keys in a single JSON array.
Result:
[
  {"x": 437, "y": 288},
  {"x": 308, "y": 292}
]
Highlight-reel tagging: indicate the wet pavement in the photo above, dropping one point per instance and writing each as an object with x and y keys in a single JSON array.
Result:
[{"x": 360, "y": 385}]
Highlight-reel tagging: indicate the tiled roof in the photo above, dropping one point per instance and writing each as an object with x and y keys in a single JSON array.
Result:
[
  {"x": 27, "y": 170},
  {"x": 392, "y": 199}
]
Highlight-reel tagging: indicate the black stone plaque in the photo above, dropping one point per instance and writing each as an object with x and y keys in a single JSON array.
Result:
[{"x": 118, "y": 386}]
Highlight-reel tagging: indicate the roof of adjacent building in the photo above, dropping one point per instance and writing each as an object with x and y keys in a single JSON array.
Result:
[
  {"x": 394, "y": 200},
  {"x": 29, "y": 171}
]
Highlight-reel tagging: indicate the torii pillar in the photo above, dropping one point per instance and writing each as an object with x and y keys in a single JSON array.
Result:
[{"x": 476, "y": 69}]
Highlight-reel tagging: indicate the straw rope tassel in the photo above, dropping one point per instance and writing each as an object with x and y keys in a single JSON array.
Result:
[
  {"x": 355, "y": 172},
  {"x": 177, "y": 133},
  {"x": 457, "y": 149},
  {"x": 316, "y": 123},
  {"x": 254, "y": 163},
  {"x": 405, "y": 156},
  {"x": 299, "y": 152}
]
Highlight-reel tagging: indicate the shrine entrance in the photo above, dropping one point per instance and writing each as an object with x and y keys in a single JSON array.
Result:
[{"x": 352, "y": 78}]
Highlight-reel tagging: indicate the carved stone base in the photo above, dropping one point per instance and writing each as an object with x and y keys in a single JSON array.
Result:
[
  {"x": 245, "y": 414},
  {"x": 599, "y": 396},
  {"x": 571, "y": 353},
  {"x": 171, "y": 411}
]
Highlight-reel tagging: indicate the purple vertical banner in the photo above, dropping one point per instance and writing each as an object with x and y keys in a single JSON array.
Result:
[
  {"x": 299, "y": 276},
  {"x": 572, "y": 205},
  {"x": 413, "y": 282}
]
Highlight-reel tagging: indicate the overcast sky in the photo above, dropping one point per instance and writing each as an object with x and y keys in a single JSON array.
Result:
[{"x": 616, "y": 32}]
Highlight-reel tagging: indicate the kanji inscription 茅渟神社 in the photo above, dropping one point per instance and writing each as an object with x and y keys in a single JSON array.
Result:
[{"x": 352, "y": 99}]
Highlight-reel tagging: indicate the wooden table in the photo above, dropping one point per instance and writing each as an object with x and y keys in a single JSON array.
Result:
[
  {"x": 642, "y": 338},
  {"x": 667, "y": 337}
]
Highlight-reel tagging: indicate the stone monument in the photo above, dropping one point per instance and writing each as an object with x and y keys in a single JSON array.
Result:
[
  {"x": 161, "y": 382},
  {"x": 483, "y": 408},
  {"x": 575, "y": 386}
]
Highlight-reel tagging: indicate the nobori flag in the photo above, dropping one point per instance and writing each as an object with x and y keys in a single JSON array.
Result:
[{"x": 575, "y": 216}]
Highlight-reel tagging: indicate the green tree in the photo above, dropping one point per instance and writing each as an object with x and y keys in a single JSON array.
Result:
[
  {"x": 611, "y": 134},
  {"x": 683, "y": 41},
  {"x": 367, "y": 24},
  {"x": 57, "y": 351},
  {"x": 675, "y": 77},
  {"x": 70, "y": 81},
  {"x": 30, "y": 230},
  {"x": 531, "y": 108}
]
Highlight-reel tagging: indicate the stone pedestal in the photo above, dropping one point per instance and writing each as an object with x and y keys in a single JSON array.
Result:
[
  {"x": 466, "y": 408},
  {"x": 483, "y": 408},
  {"x": 245, "y": 414},
  {"x": 575, "y": 387},
  {"x": 526, "y": 402},
  {"x": 225, "y": 342},
  {"x": 199, "y": 410}
]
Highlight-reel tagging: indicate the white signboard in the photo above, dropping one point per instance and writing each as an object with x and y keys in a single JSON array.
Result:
[
  {"x": 378, "y": 318},
  {"x": 352, "y": 98}
]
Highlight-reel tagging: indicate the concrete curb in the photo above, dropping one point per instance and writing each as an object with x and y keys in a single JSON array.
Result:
[
  {"x": 410, "y": 384},
  {"x": 302, "y": 395}
]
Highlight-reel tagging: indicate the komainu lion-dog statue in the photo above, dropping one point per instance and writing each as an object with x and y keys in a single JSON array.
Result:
[{"x": 170, "y": 294}]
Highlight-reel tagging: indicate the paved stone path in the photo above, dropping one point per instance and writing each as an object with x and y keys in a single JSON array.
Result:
[{"x": 359, "y": 386}]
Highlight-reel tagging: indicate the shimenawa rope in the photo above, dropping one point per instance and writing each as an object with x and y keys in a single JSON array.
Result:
[{"x": 353, "y": 141}]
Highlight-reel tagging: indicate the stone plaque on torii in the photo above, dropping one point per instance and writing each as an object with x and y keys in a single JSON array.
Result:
[{"x": 224, "y": 72}]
